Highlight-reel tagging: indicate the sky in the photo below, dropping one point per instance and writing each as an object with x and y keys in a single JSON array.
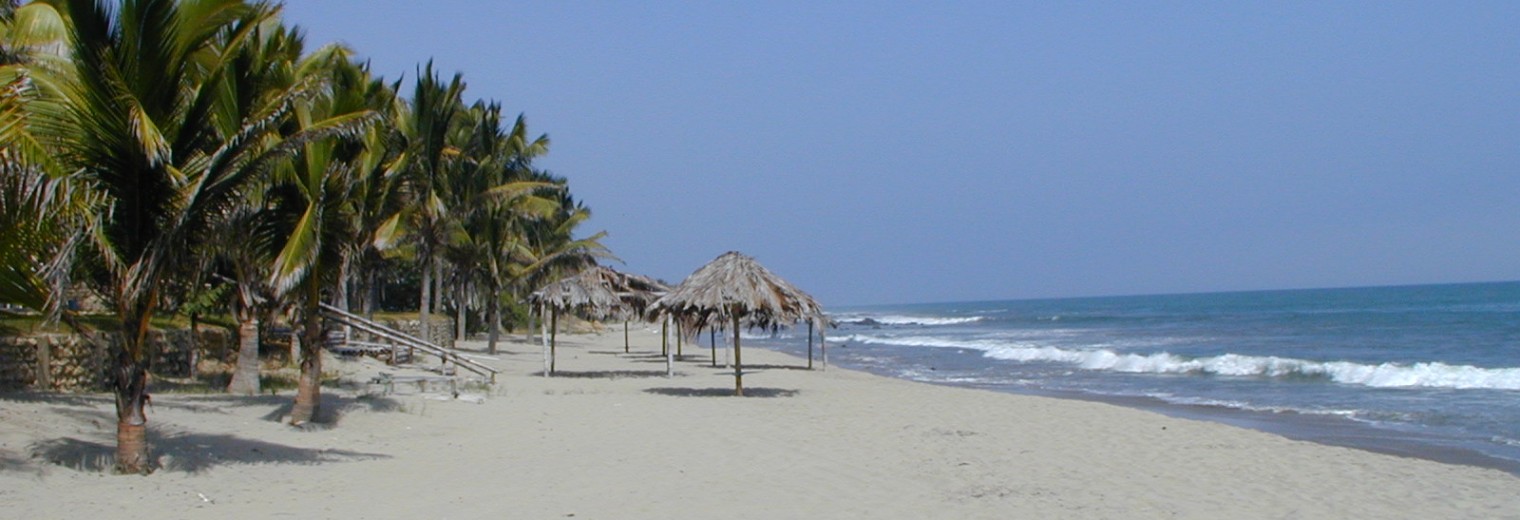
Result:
[{"x": 912, "y": 152}]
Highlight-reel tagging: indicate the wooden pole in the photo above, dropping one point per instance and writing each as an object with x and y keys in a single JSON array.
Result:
[
  {"x": 810, "y": 344},
  {"x": 712, "y": 340},
  {"x": 670, "y": 370},
  {"x": 680, "y": 339},
  {"x": 665, "y": 337},
  {"x": 824, "y": 344},
  {"x": 543, "y": 335},
  {"x": 625, "y": 336},
  {"x": 738, "y": 364},
  {"x": 553, "y": 336}
]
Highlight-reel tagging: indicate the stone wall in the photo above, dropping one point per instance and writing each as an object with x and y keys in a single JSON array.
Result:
[
  {"x": 74, "y": 364},
  {"x": 440, "y": 328}
]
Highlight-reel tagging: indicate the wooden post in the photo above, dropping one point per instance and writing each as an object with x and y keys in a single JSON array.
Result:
[
  {"x": 810, "y": 344},
  {"x": 670, "y": 370},
  {"x": 625, "y": 336},
  {"x": 823, "y": 343},
  {"x": 553, "y": 336},
  {"x": 665, "y": 337},
  {"x": 680, "y": 339},
  {"x": 543, "y": 335},
  {"x": 712, "y": 341},
  {"x": 738, "y": 363}
]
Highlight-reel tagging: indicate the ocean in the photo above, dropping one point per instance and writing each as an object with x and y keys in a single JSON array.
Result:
[{"x": 1430, "y": 371}]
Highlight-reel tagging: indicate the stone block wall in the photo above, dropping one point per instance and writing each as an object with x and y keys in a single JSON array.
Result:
[{"x": 69, "y": 363}]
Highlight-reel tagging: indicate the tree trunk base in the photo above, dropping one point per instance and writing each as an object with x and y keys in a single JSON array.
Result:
[{"x": 132, "y": 449}]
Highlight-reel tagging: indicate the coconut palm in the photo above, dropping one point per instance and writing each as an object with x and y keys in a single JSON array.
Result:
[
  {"x": 426, "y": 126},
  {"x": 151, "y": 118},
  {"x": 313, "y": 206},
  {"x": 41, "y": 210},
  {"x": 490, "y": 237},
  {"x": 261, "y": 68}
]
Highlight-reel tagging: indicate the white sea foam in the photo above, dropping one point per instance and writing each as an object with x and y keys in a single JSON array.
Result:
[
  {"x": 893, "y": 320},
  {"x": 1385, "y": 375}
]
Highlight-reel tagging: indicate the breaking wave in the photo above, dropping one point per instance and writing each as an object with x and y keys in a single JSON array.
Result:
[{"x": 1385, "y": 375}]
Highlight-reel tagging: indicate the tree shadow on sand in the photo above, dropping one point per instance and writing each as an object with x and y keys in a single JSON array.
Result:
[
  {"x": 55, "y": 398},
  {"x": 332, "y": 409},
  {"x": 608, "y": 374},
  {"x": 190, "y": 453},
  {"x": 723, "y": 392}
]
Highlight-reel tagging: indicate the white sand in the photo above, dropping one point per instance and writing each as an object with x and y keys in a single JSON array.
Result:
[{"x": 620, "y": 441}]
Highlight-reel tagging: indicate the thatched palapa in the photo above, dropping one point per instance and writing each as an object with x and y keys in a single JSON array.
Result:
[
  {"x": 735, "y": 289},
  {"x": 596, "y": 293}
]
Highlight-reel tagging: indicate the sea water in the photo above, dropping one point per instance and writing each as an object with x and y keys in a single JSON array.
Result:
[{"x": 1422, "y": 370}]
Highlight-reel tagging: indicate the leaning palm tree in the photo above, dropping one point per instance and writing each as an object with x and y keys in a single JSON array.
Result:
[{"x": 148, "y": 117}]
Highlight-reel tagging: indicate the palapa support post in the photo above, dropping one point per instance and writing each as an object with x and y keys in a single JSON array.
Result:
[
  {"x": 712, "y": 341},
  {"x": 823, "y": 344},
  {"x": 738, "y": 363},
  {"x": 543, "y": 334},
  {"x": 680, "y": 340},
  {"x": 625, "y": 336},
  {"x": 553, "y": 336},
  {"x": 810, "y": 344},
  {"x": 665, "y": 337},
  {"x": 670, "y": 366}
]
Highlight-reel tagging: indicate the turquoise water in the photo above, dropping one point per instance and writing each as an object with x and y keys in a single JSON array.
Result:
[{"x": 1430, "y": 366}]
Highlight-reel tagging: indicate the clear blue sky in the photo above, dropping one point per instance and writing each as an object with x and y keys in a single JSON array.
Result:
[{"x": 894, "y": 152}]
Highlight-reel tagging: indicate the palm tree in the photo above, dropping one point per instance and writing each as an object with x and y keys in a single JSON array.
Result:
[
  {"x": 41, "y": 210},
  {"x": 314, "y": 203},
  {"x": 262, "y": 67},
  {"x": 495, "y": 196},
  {"x": 426, "y": 126},
  {"x": 149, "y": 118}
]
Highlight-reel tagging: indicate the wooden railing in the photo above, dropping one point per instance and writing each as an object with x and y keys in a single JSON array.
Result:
[{"x": 448, "y": 356}]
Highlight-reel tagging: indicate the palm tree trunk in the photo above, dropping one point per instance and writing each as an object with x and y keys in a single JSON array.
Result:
[
  {"x": 438, "y": 285},
  {"x": 459, "y": 315},
  {"x": 309, "y": 385},
  {"x": 131, "y": 386},
  {"x": 245, "y": 378},
  {"x": 493, "y": 313},
  {"x": 427, "y": 300}
]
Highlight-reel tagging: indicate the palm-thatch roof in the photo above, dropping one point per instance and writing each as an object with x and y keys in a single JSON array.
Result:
[
  {"x": 736, "y": 289},
  {"x": 590, "y": 294},
  {"x": 636, "y": 292},
  {"x": 596, "y": 293},
  {"x": 735, "y": 285}
]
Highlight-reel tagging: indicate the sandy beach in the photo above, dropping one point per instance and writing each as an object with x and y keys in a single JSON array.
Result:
[{"x": 612, "y": 438}]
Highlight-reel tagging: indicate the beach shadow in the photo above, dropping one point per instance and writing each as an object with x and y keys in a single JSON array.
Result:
[
  {"x": 189, "y": 453},
  {"x": 12, "y": 463},
  {"x": 748, "y": 367},
  {"x": 59, "y": 399},
  {"x": 332, "y": 408},
  {"x": 607, "y": 374},
  {"x": 723, "y": 392},
  {"x": 690, "y": 359}
]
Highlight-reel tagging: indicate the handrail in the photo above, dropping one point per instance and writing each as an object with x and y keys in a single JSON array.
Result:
[{"x": 377, "y": 329}]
